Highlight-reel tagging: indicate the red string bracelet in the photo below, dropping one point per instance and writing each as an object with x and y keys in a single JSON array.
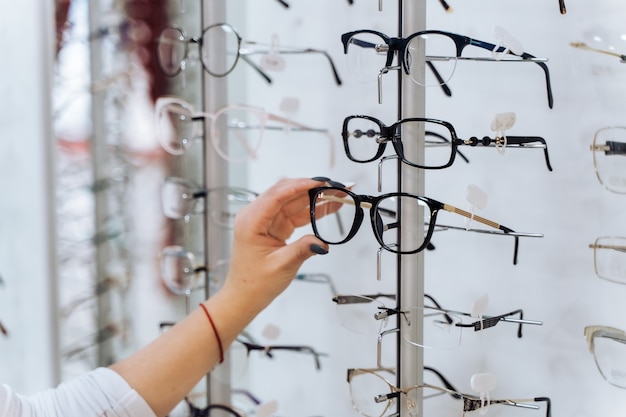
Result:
[{"x": 217, "y": 335}]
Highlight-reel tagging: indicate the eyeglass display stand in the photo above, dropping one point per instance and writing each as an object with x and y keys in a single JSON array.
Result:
[
  {"x": 411, "y": 103},
  {"x": 215, "y": 93}
]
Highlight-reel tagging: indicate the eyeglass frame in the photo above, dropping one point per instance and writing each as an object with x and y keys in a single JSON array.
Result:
[
  {"x": 363, "y": 200},
  {"x": 607, "y": 332},
  {"x": 610, "y": 147},
  {"x": 470, "y": 402},
  {"x": 398, "y": 45},
  {"x": 196, "y": 116},
  {"x": 389, "y": 133},
  {"x": 595, "y": 245},
  {"x": 197, "y": 193},
  {"x": 241, "y": 53}
]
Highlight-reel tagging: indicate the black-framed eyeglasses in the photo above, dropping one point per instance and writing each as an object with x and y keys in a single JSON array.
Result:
[
  {"x": 365, "y": 139},
  {"x": 173, "y": 51},
  {"x": 448, "y": 8},
  {"x": 370, "y": 50},
  {"x": 349, "y": 207},
  {"x": 239, "y": 353},
  {"x": 212, "y": 410}
]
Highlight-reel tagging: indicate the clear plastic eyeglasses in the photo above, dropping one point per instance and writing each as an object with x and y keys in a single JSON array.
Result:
[
  {"x": 609, "y": 158},
  {"x": 235, "y": 131},
  {"x": 364, "y": 314},
  {"x": 443, "y": 329},
  {"x": 179, "y": 269},
  {"x": 609, "y": 258},
  {"x": 369, "y": 51},
  {"x": 182, "y": 198},
  {"x": 173, "y": 51},
  {"x": 372, "y": 395},
  {"x": 349, "y": 207},
  {"x": 365, "y": 139},
  {"x": 584, "y": 46},
  {"x": 237, "y": 356},
  {"x": 608, "y": 346}
]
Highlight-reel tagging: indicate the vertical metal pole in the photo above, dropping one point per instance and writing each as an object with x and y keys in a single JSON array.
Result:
[
  {"x": 100, "y": 165},
  {"x": 215, "y": 95},
  {"x": 411, "y": 271}
]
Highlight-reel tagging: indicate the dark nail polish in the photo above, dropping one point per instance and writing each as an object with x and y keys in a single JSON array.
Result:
[
  {"x": 315, "y": 248},
  {"x": 336, "y": 184},
  {"x": 323, "y": 179}
]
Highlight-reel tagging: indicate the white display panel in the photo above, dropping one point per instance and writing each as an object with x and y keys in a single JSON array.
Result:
[{"x": 27, "y": 298}]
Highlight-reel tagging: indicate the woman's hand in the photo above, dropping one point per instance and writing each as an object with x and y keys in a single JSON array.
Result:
[{"x": 262, "y": 264}]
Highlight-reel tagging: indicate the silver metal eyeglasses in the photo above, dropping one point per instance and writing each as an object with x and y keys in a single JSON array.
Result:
[
  {"x": 373, "y": 395},
  {"x": 173, "y": 55},
  {"x": 609, "y": 158},
  {"x": 608, "y": 346}
]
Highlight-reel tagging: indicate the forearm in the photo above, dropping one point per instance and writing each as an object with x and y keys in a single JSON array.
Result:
[{"x": 167, "y": 369}]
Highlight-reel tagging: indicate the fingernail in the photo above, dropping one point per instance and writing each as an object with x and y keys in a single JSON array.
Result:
[
  {"x": 336, "y": 184},
  {"x": 315, "y": 248},
  {"x": 322, "y": 179}
]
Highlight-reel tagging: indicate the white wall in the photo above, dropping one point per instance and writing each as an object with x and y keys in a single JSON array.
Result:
[{"x": 554, "y": 281}]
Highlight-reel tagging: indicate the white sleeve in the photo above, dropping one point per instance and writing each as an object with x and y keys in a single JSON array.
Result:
[{"x": 99, "y": 393}]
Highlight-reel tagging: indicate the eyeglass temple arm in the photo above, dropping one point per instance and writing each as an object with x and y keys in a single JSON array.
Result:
[
  {"x": 479, "y": 219},
  {"x": 4, "y": 330},
  {"x": 283, "y": 3},
  {"x": 444, "y": 139},
  {"x": 360, "y": 299},
  {"x": 611, "y": 147},
  {"x": 583, "y": 45},
  {"x": 444, "y": 380},
  {"x": 300, "y": 348},
  {"x": 254, "y": 66},
  {"x": 333, "y": 67},
  {"x": 511, "y": 141},
  {"x": 614, "y": 247},
  {"x": 525, "y": 56},
  {"x": 290, "y": 122}
]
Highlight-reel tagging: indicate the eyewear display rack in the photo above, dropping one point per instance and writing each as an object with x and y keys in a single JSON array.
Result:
[{"x": 410, "y": 268}]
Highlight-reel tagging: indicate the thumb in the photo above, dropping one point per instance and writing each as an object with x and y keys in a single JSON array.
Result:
[{"x": 294, "y": 254}]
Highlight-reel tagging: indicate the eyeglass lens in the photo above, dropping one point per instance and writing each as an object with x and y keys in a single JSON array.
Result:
[
  {"x": 367, "y": 55},
  {"x": 174, "y": 127},
  {"x": 178, "y": 269},
  {"x": 359, "y": 317},
  {"x": 236, "y": 132},
  {"x": 610, "y": 258},
  {"x": 385, "y": 221},
  {"x": 610, "y": 356},
  {"x": 609, "y": 158},
  {"x": 366, "y": 386},
  {"x": 439, "y": 328},
  {"x": 363, "y": 136},
  {"x": 173, "y": 50}
]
